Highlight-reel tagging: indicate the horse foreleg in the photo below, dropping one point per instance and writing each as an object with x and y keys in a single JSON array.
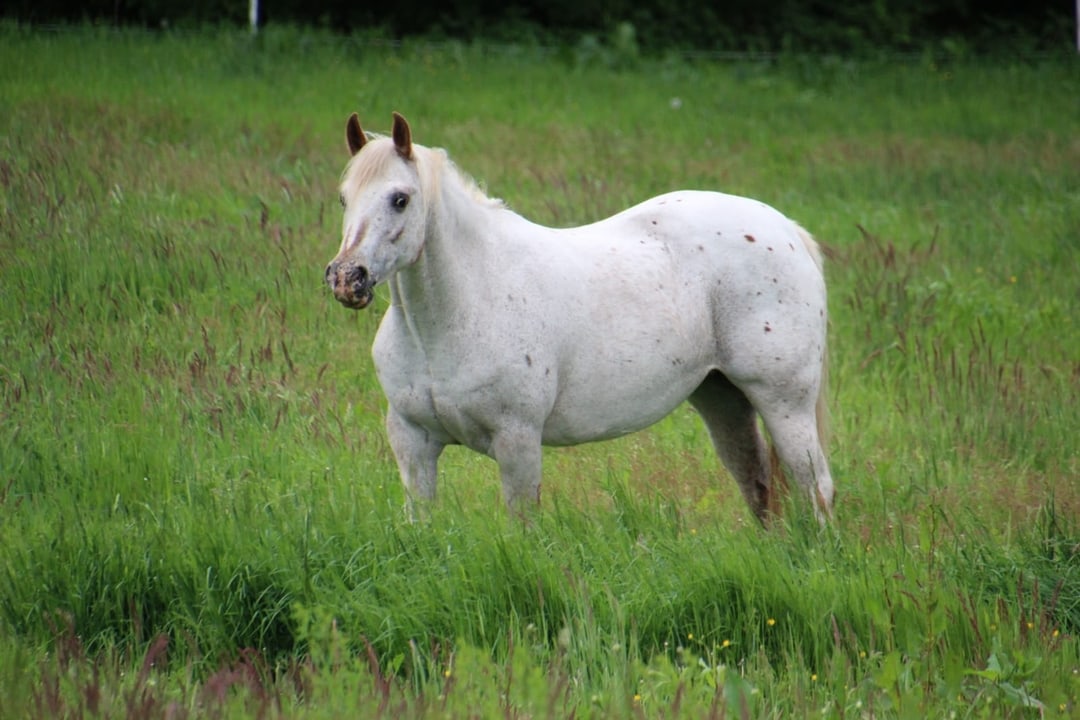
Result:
[
  {"x": 417, "y": 454},
  {"x": 519, "y": 455}
]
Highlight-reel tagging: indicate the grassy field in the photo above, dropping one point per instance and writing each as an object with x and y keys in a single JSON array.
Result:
[{"x": 199, "y": 513}]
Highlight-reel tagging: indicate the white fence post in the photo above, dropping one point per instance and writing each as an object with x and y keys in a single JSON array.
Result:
[{"x": 253, "y": 15}]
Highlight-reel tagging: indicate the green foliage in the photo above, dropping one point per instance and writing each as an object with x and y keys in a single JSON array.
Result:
[
  {"x": 955, "y": 28},
  {"x": 198, "y": 511}
]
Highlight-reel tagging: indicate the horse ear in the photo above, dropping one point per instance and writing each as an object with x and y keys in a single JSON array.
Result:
[
  {"x": 402, "y": 137},
  {"x": 354, "y": 135}
]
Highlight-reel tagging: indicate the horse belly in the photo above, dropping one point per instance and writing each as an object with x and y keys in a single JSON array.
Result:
[
  {"x": 627, "y": 377},
  {"x": 589, "y": 414}
]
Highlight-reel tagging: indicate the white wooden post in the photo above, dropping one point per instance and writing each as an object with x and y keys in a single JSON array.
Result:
[{"x": 253, "y": 15}]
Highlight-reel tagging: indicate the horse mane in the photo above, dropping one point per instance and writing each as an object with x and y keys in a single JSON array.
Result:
[
  {"x": 432, "y": 164},
  {"x": 435, "y": 164}
]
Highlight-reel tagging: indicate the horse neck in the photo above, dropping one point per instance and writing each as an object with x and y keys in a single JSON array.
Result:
[{"x": 447, "y": 279}]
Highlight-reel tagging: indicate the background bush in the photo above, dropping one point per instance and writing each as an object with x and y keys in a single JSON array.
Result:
[{"x": 1001, "y": 26}]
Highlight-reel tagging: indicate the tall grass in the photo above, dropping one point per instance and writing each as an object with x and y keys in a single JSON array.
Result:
[{"x": 198, "y": 509}]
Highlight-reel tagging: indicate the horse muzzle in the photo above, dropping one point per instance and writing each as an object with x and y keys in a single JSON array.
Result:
[{"x": 352, "y": 284}]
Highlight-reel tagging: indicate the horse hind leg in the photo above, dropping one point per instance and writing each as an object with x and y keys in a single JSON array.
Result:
[
  {"x": 732, "y": 424},
  {"x": 796, "y": 437}
]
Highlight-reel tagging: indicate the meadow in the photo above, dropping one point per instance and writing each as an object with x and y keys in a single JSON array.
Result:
[{"x": 199, "y": 513}]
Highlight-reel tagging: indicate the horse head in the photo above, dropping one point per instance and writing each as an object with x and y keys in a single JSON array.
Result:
[{"x": 383, "y": 227}]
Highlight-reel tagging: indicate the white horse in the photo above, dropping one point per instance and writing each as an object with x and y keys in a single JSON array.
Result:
[{"x": 503, "y": 335}]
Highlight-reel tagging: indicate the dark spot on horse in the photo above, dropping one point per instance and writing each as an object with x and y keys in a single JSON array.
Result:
[
  {"x": 791, "y": 246},
  {"x": 653, "y": 222},
  {"x": 769, "y": 249},
  {"x": 528, "y": 360},
  {"x": 547, "y": 371},
  {"x": 510, "y": 297},
  {"x": 775, "y": 280},
  {"x": 701, "y": 248},
  {"x": 749, "y": 238},
  {"x": 767, "y": 328}
]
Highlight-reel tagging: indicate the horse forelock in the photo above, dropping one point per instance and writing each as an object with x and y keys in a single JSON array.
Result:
[
  {"x": 432, "y": 164},
  {"x": 371, "y": 163}
]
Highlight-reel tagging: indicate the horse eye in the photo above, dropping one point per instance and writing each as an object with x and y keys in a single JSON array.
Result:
[
  {"x": 399, "y": 201},
  {"x": 341, "y": 199}
]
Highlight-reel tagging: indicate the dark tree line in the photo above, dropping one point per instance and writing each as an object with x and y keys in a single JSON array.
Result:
[{"x": 767, "y": 25}]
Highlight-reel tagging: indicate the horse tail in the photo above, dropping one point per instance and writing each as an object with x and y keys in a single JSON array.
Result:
[
  {"x": 811, "y": 246},
  {"x": 777, "y": 492},
  {"x": 778, "y": 480}
]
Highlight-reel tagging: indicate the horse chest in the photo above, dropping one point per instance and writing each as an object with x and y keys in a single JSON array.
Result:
[{"x": 458, "y": 393}]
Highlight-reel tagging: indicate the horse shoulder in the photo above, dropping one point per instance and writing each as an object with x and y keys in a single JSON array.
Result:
[{"x": 401, "y": 368}]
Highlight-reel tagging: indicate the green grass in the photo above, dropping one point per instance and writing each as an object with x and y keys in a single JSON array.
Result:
[{"x": 199, "y": 514}]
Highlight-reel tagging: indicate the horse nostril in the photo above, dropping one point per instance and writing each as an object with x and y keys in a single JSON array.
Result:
[{"x": 356, "y": 275}]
